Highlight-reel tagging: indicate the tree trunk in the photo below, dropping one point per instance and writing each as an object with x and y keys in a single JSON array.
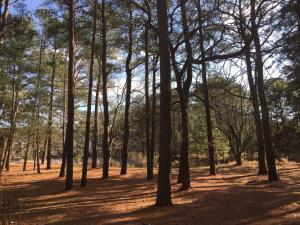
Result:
[
  {"x": 44, "y": 150},
  {"x": 64, "y": 155},
  {"x": 68, "y": 148},
  {"x": 50, "y": 115},
  {"x": 4, "y": 16},
  {"x": 89, "y": 106},
  {"x": 34, "y": 155},
  {"x": 105, "y": 147},
  {"x": 95, "y": 131},
  {"x": 183, "y": 92},
  {"x": 272, "y": 172},
  {"x": 211, "y": 149},
  {"x": 147, "y": 105},
  {"x": 26, "y": 154},
  {"x": 163, "y": 197},
  {"x": 256, "y": 113},
  {"x": 153, "y": 113},
  {"x": 128, "y": 97},
  {"x": 254, "y": 99},
  {"x": 15, "y": 106}
]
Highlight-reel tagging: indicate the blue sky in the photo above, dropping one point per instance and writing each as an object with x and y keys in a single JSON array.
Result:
[{"x": 32, "y": 4}]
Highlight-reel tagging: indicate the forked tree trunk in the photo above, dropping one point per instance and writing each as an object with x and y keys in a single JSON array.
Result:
[
  {"x": 254, "y": 98},
  {"x": 183, "y": 93},
  {"x": 272, "y": 172}
]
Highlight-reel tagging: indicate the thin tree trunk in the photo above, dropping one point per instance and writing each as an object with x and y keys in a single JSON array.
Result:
[
  {"x": 128, "y": 96},
  {"x": 26, "y": 154},
  {"x": 95, "y": 131},
  {"x": 211, "y": 149},
  {"x": 147, "y": 105},
  {"x": 15, "y": 106},
  {"x": 272, "y": 172},
  {"x": 44, "y": 150},
  {"x": 68, "y": 147},
  {"x": 153, "y": 119},
  {"x": 64, "y": 155},
  {"x": 89, "y": 106},
  {"x": 33, "y": 155},
  {"x": 163, "y": 197},
  {"x": 50, "y": 114},
  {"x": 105, "y": 147}
]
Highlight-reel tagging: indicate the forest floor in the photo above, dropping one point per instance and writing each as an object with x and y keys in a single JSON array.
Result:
[{"x": 236, "y": 196}]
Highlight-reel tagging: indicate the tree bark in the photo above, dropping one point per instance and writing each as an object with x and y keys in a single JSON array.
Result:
[
  {"x": 68, "y": 147},
  {"x": 163, "y": 197},
  {"x": 50, "y": 115},
  {"x": 105, "y": 147},
  {"x": 15, "y": 107},
  {"x": 147, "y": 105},
  {"x": 211, "y": 149},
  {"x": 3, "y": 19},
  {"x": 153, "y": 113},
  {"x": 89, "y": 106},
  {"x": 128, "y": 96},
  {"x": 272, "y": 172},
  {"x": 64, "y": 155},
  {"x": 95, "y": 130},
  {"x": 26, "y": 154}
]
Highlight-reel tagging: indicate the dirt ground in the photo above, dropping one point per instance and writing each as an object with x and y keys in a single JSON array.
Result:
[{"x": 236, "y": 196}]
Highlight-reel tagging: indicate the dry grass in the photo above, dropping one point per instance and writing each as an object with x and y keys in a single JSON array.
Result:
[{"x": 235, "y": 196}]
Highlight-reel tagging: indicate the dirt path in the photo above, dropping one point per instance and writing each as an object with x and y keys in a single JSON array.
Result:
[{"x": 236, "y": 196}]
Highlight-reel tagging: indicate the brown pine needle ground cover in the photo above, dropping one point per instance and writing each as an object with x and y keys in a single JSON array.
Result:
[{"x": 235, "y": 196}]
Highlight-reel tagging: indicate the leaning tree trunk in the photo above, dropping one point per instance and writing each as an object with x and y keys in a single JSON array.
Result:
[
  {"x": 127, "y": 98},
  {"x": 105, "y": 146},
  {"x": 15, "y": 106},
  {"x": 163, "y": 197},
  {"x": 89, "y": 106},
  {"x": 272, "y": 172},
  {"x": 68, "y": 148},
  {"x": 211, "y": 149}
]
